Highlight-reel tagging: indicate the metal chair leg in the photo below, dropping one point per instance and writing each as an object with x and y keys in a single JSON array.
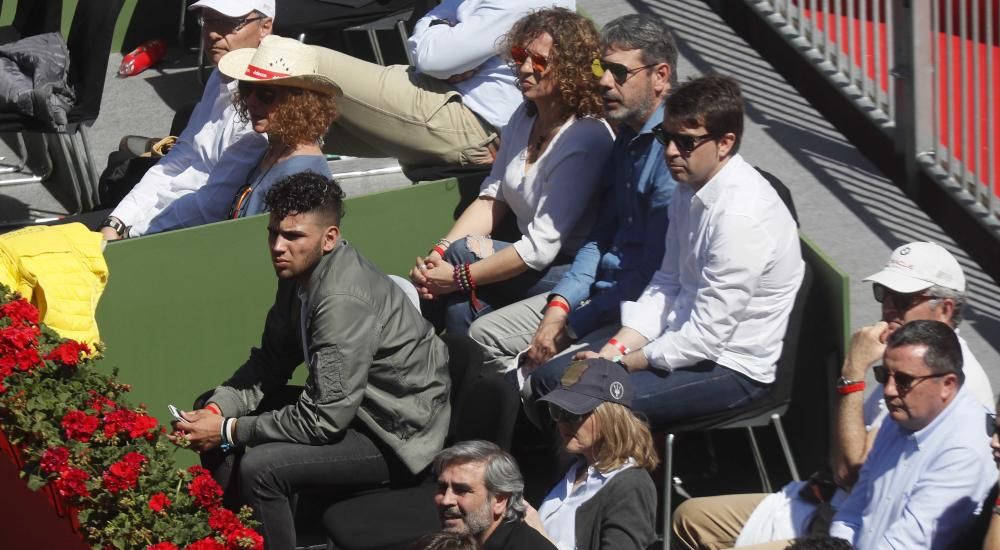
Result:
[
  {"x": 83, "y": 173},
  {"x": 759, "y": 459},
  {"x": 668, "y": 489},
  {"x": 373, "y": 39},
  {"x": 91, "y": 166},
  {"x": 401, "y": 26},
  {"x": 787, "y": 449},
  {"x": 69, "y": 163}
]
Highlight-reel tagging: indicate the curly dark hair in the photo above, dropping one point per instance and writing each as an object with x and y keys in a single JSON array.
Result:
[
  {"x": 301, "y": 116},
  {"x": 575, "y": 44},
  {"x": 306, "y": 192}
]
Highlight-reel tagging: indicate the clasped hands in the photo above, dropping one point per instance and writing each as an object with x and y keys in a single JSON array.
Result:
[
  {"x": 433, "y": 277},
  {"x": 202, "y": 431}
]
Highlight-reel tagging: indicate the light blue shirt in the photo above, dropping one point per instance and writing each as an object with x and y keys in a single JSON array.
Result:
[{"x": 921, "y": 489}]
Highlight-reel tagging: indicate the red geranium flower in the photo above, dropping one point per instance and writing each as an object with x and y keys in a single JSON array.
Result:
[
  {"x": 20, "y": 311},
  {"x": 99, "y": 403},
  {"x": 243, "y": 538},
  {"x": 27, "y": 359},
  {"x": 207, "y": 543},
  {"x": 17, "y": 337},
  {"x": 72, "y": 482},
  {"x": 79, "y": 425},
  {"x": 68, "y": 353},
  {"x": 223, "y": 520},
  {"x": 197, "y": 470},
  {"x": 124, "y": 474},
  {"x": 159, "y": 502},
  {"x": 163, "y": 546},
  {"x": 134, "y": 423},
  {"x": 206, "y": 491},
  {"x": 54, "y": 459}
]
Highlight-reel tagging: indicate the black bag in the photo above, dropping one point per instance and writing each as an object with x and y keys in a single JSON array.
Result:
[{"x": 123, "y": 172}]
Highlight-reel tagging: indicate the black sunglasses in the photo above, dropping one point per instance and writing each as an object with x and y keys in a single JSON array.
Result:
[
  {"x": 902, "y": 302},
  {"x": 619, "y": 72},
  {"x": 560, "y": 414},
  {"x": 265, "y": 94},
  {"x": 991, "y": 424},
  {"x": 229, "y": 24},
  {"x": 685, "y": 144},
  {"x": 904, "y": 382}
]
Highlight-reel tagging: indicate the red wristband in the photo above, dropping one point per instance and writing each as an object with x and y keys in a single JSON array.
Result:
[
  {"x": 851, "y": 388},
  {"x": 559, "y": 304},
  {"x": 214, "y": 408},
  {"x": 621, "y": 347},
  {"x": 439, "y": 249}
]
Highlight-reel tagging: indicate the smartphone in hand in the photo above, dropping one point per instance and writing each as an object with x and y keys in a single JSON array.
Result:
[{"x": 176, "y": 413}]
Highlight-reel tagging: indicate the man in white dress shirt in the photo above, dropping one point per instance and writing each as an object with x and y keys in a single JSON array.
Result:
[
  {"x": 450, "y": 107},
  {"x": 213, "y": 128},
  {"x": 707, "y": 331}
]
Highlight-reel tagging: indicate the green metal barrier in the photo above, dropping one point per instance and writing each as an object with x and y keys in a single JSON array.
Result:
[{"x": 182, "y": 309}]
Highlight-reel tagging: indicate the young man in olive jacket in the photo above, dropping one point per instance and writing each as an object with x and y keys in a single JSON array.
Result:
[{"x": 375, "y": 404}]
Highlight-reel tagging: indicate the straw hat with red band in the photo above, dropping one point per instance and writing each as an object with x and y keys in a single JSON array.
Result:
[{"x": 279, "y": 62}]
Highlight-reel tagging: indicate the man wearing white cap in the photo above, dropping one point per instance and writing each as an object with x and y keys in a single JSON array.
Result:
[
  {"x": 212, "y": 129},
  {"x": 921, "y": 282}
]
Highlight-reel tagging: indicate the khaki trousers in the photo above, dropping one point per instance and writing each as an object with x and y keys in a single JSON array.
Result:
[
  {"x": 712, "y": 523},
  {"x": 396, "y": 112}
]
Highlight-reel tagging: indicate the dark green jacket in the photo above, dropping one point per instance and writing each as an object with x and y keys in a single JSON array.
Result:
[{"x": 371, "y": 357}]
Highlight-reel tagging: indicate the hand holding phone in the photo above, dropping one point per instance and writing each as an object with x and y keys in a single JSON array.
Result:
[{"x": 176, "y": 413}]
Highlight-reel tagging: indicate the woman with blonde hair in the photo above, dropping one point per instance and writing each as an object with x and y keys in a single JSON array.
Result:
[
  {"x": 607, "y": 499},
  {"x": 546, "y": 174}
]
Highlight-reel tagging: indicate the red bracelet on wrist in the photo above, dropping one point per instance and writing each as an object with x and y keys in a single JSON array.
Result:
[
  {"x": 851, "y": 388},
  {"x": 559, "y": 304},
  {"x": 439, "y": 249},
  {"x": 621, "y": 347},
  {"x": 214, "y": 408}
]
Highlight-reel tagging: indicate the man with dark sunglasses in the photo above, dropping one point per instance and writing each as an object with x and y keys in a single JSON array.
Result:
[
  {"x": 626, "y": 245},
  {"x": 920, "y": 281},
  {"x": 214, "y": 128}
]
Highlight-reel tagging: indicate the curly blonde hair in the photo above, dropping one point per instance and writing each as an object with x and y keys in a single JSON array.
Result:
[
  {"x": 621, "y": 436},
  {"x": 575, "y": 44},
  {"x": 301, "y": 116}
]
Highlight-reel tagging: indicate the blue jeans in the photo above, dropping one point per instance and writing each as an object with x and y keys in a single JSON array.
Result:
[
  {"x": 455, "y": 312},
  {"x": 666, "y": 398}
]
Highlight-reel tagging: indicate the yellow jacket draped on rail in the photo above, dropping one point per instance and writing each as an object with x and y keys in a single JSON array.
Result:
[{"x": 61, "y": 270}]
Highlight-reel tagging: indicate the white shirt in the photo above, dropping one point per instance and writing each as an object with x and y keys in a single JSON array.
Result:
[
  {"x": 921, "y": 489},
  {"x": 731, "y": 268},
  {"x": 558, "y": 510},
  {"x": 469, "y": 42},
  {"x": 212, "y": 130},
  {"x": 552, "y": 199}
]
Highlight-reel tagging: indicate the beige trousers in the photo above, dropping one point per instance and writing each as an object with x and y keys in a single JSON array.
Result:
[
  {"x": 713, "y": 523},
  {"x": 396, "y": 112}
]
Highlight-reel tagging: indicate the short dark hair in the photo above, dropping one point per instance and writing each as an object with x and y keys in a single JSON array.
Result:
[
  {"x": 944, "y": 353},
  {"x": 713, "y": 101},
  {"x": 306, "y": 192},
  {"x": 643, "y": 32}
]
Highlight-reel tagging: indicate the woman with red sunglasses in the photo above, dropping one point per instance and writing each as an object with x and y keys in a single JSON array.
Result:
[
  {"x": 281, "y": 95},
  {"x": 546, "y": 174}
]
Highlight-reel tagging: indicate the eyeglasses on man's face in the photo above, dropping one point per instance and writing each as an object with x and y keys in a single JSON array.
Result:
[
  {"x": 521, "y": 54},
  {"x": 685, "y": 143},
  {"x": 991, "y": 424},
  {"x": 266, "y": 95},
  {"x": 619, "y": 72},
  {"x": 904, "y": 382},
  {"x": 560, "y": 414},
  {"x": 227, "y": 25},
  {"x": 902, "y": 302}
]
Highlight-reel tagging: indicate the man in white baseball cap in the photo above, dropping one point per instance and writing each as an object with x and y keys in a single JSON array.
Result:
[{"x": 213, "y": 129}]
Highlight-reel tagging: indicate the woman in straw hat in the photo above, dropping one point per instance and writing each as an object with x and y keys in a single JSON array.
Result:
[
  {"x": 546, "y": 173},
  {"x": 281, "y": 95},
  {"x": 607, "y": 498}
]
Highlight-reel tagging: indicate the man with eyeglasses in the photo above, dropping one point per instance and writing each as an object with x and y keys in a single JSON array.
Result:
[
  {"x": 706, "y": 332},
  {"x": 920, "y": 281},
  {"x": 214, "y": 130},
  {"x": 636, "y": 70}
]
